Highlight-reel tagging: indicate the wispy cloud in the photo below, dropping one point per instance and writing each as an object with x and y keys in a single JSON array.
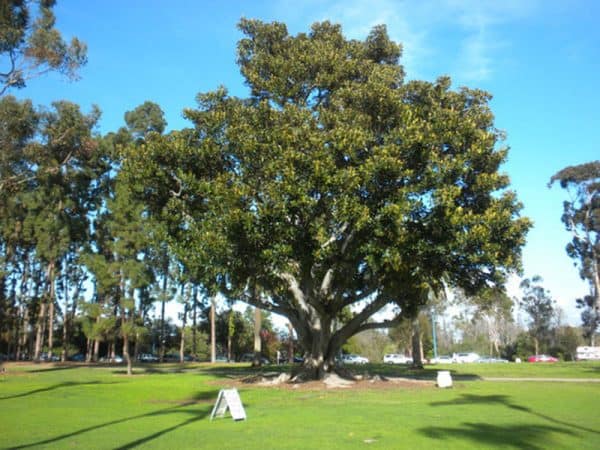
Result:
[
  {"x": 478, "y": 21},
  {"x": 473, "y": 27}
]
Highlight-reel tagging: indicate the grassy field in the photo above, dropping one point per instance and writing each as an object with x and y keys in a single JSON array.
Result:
[{"x": 168, "y": 406}]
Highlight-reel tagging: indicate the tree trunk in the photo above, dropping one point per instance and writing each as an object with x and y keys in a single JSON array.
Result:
[
  {"x": 320, "y": 347},
  {"x": 213, "y": 335},
  {"x": 136, "y": 347},
  {"x": 24, "y": 333},
  {"x": 536, "y": 345},
  {"x": 125, "y": 334},
  {"x": 96, "y": 350},
  {"x": 182, "y": 341},
  {"x": 66, "y": 318},
  {"x": 23, "y": 317},
  {"x": 126, "y": 353},
  {"x": 163, "y": 338},
  {"x": 417, "y": 348},
  {"x": 50, "y": 326},
  {"x": 256, "y": 361},
  {"x": 40, "y": 331},
  {"x": 51, "y": 308},
  {"x": 89, "y": 349},
  {"x": 230, "y": 331},
  {"x": 291, "y": 343},
  {"x": 194, "y": 311}
]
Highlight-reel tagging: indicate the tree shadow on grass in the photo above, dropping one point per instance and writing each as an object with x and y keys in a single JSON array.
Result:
[
  {"x": 468, "y": 399},
  {"x": 54, "y": 368},
  {"x": 427, "y": 373},
  {"x": 151, "y": 370},
  {"x": 240, "y": 371},
  {"x": 387, "y": 370},
  {"x": 195, "y": 414},
  {"x": 485, "y": 435},
  {"x": 66, "y": 384}
]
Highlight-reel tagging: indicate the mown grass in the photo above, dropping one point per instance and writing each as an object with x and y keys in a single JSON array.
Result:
[{"x": 168, "y": 406}]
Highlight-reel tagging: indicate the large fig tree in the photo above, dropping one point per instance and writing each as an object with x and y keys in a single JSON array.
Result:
[{"x": 335, "y": 188}]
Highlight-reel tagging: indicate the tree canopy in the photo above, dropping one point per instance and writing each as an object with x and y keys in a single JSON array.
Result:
[
  {"x": 335, "y": 186},
  {"x": 30, "y": 45},
  {"x": 581, "y": 217}
]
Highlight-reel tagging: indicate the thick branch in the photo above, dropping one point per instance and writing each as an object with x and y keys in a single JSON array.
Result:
[
  {"x": 294, "y": 288},
  {"x": 379, "y": 325},
  {"x": 263, "y": 303},
  {"x": 355, "y": 324}
]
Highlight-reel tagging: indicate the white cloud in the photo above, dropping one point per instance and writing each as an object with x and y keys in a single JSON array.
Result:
[{"x": 472, "y": 26}]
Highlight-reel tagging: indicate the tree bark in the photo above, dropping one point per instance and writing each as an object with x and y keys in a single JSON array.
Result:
[
  {"x": 50, "y": 327},
  {"x": 40, "y": 331},
  {"x": 417, "y": 348},
  {"x": 66, "y": 320},
  {"x": 230, "y": 331},
  {"x": 163, "y": 338},
  {"x": 194, "y": 317},
  {"x": 182, "y": 341},
  {"x": 291, "y": 343},
  {"x": 213, "y": 335},
  {"x": 51, "y": 281},
  {"x": 96, "y": 348},
  {"x": 256, "y": 361}
]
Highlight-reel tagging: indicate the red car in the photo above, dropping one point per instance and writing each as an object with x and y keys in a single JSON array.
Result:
[{"x": 542, "y": 358}]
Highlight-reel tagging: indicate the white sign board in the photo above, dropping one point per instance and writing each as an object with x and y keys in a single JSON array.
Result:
[
  {"x": 444, "y": 380},
  {"x": 229, "y": 399}
]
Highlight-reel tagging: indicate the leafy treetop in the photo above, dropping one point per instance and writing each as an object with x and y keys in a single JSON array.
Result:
[
  {"x": 335, "y": 185},
  {"x": 29, "y": 48}
]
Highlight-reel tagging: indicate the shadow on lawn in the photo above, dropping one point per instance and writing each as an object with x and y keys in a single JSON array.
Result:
[
  {"x": 522, "y": 436},
  {"x": 54, "y": 368},
  {"x": 468, "y": 399},
  {"x": 387, "y": 370},
  {"x": 66, "y": 384},
  {"x": 197, "y": 413}
]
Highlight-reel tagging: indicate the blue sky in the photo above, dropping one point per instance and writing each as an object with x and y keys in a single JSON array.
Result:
[{"x": 539, "y": 59}]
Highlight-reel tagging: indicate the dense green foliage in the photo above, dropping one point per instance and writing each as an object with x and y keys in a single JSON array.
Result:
[
  {"x": 540, "y": 306},
  {"x": 82, "y": 407},
  {"x": 581, "y": 216},
  {"x": 334, "y": 187}
]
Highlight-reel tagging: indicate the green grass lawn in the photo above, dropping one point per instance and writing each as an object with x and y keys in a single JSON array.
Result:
[{"x": 168, "y": 407}]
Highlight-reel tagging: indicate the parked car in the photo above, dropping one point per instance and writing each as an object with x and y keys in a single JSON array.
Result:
[
  {"x": 354, "y": 359},
  {"x": 118, "y": 359},
  {"x": 491, "y": 359},
  {"x": 442, "y": 359},
  {"x": 249, "y": 357},
  {"x": 395, "y": 358},
  {"x": 468, "y": 357},
  {"x": 148, "y": 357},
  {"x": 542, "y": 358},
  {"x": 78, "y": 357}
]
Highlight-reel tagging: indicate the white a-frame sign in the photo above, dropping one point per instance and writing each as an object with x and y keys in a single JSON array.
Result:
[{"x": 229, "y": 399}]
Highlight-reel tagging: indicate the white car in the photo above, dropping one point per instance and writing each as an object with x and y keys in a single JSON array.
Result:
[
  {"x": 395, "y": 358},
  {"x": 442, "y": 359},
  {"x": 354, "y": 359},
  {"x": 466, "y": 357}
]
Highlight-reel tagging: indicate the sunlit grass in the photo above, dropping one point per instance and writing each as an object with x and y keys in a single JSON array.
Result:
[{"x": 168, "y": 406}]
